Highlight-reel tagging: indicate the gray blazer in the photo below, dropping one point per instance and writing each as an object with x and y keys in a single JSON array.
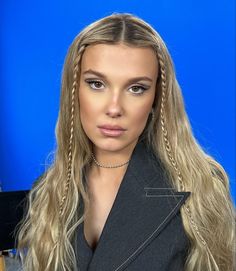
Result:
[{"x": 144, "y": 229}]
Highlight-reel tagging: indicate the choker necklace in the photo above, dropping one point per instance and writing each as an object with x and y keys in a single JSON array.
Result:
[{"x": 120, "y": 165}]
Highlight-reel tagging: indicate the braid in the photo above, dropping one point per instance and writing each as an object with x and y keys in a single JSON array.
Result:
[
  {"x": 164, "y": 133},
  {"x": 74, "y": 88},
  {"x": 167, "y": 143}
]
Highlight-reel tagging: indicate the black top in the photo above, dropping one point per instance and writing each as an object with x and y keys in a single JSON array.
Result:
[
  {"x": 12, "y": 206},
  {"x": 85, "y": 251},
  {"x": 144, "y": 229}
]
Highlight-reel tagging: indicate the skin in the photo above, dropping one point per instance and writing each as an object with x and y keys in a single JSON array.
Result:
[{"x": 112, "y": 100}]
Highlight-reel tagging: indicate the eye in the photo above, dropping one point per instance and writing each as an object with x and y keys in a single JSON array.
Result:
[
  {"x": 137, "y": 88},
  {"x": 94, "y": 84}
]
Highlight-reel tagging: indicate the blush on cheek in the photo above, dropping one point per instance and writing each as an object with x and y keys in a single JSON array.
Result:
[
  {"x": 141, "y": 119},
  {"x": 88, "y": 118}
]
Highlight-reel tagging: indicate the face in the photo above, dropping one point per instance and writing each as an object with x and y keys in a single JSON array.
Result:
[{"x": 117, "y": 88}]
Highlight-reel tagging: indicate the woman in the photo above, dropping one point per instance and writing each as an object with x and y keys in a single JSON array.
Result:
[{"x": 130, "y": 188}]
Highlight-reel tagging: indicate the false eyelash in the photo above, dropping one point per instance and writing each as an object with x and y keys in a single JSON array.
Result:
[
  {"x": 140, "y": 87},
  {"x": 89, "y": 82}
]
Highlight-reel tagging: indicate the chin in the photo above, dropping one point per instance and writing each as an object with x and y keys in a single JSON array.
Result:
[{"x": 111, "y": 144}]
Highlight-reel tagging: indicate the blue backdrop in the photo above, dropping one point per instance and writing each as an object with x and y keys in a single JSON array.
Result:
[{"x": 35, "y": 36}]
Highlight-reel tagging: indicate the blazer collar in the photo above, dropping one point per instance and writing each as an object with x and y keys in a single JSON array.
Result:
[{"x": 145, "y": 203}]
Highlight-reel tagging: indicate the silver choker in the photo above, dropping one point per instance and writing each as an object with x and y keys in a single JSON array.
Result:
[{"x": 97, "y": 163}]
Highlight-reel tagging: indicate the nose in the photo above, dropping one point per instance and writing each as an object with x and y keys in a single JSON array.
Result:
[{"x": 114, "y": 106}]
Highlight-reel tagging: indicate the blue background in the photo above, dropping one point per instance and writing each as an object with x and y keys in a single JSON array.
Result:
[{"x": 35, "y": 36}]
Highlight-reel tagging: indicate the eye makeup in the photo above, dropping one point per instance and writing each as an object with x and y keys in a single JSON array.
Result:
[{"x": 94, "y": 84}]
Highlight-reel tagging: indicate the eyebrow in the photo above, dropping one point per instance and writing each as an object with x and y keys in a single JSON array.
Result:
[{"x": 131, "y": 80}]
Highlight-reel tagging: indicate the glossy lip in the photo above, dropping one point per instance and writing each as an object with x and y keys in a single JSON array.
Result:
[
  {"x": 112, "y": 127},
  {"x": 111, "y": 130}
]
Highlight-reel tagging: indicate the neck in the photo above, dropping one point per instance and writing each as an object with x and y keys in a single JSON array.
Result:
[
  {"x": 111, "y": 158},
  {"x": 107, "y": 174}
]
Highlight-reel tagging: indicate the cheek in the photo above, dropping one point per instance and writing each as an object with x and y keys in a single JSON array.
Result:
[
  {"x": 85, "y": 112},
  {"x": 141, "y": 113},
  {"x": 88, "y": 107},
  {"x": 139, "y": 120},
  {"x": 141, "y": 116}
]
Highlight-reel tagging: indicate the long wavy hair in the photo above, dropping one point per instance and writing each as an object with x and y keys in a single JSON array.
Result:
[{"x": 46, "y": 233}]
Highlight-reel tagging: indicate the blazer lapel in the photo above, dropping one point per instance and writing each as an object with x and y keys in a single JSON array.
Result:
[{"x": 144, "y": 205}]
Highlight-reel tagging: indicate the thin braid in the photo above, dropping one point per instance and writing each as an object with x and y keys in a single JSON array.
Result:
[
  {"x": 167, "y": 143},
  {"x": 74, "y": 88}
]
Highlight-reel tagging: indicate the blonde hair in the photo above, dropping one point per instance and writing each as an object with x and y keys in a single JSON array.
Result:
[{"x": 46, "y": 234}]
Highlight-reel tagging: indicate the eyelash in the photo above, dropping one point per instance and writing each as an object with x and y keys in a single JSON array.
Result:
[{"x": 89, "y": 82}]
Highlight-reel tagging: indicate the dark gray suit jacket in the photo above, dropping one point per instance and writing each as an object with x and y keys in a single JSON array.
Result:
[{"x": 144, "y": 229}]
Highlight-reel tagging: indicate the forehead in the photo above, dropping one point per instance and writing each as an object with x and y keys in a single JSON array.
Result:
[{"x": 120, "y": 59}]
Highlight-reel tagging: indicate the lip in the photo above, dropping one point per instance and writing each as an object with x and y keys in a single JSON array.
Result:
[
  {"x": 111, "y": 130},
  {"x": 111, "y": 127}
]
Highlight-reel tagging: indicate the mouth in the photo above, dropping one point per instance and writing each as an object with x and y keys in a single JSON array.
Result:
[
  {"x": 111, "y": 132},
  {"x": 112, "y": 127}
]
